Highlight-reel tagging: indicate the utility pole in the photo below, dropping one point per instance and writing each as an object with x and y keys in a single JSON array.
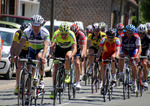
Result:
[
  {"x": 52, "y": 18},
  {"x": 137, "y": 13}
]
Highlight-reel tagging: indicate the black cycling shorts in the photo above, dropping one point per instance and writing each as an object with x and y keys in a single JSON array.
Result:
[
  {"x": 23, "y": 53},
  {"x": 61, "y": 52}
]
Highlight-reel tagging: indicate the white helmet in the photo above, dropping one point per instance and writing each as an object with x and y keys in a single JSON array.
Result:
[
  {"x": 103, "y": 26},
  {"x": 96, "y": 26},
  {"x": 142, "y": 28},
  {"x": 37, "y": 20},
  {"x": 148, "y": 25}
]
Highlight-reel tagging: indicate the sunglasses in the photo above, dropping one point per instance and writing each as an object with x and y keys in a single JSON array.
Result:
[
  {"x": 129, "y": 32},
  {"x": 111, "y": 37},
  {"x": 64, "y": 34}
]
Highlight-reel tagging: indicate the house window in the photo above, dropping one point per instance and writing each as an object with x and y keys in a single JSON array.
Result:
[{"x": 23, "y": 9}]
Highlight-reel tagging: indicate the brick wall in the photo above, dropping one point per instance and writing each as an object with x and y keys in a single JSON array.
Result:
[{"x": 87, "y": 11}]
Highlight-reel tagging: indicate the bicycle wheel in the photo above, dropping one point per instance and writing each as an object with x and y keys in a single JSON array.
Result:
[
  {"x": 109, "y": 84},
  {"x": 28, "y": 90},
  {"x": 21, "y": 89},
  {"x": 56, "y": 85},
  {"x": 129, "y": 83},
  {"x": 86, "y": 75},
  {"x": 61, "y": 84},
  {"x": 93, "y": 79},
  {"x": 125, "y": 85},
  {"x": 105, "y": 87},
  {"x": 71, "y": 88}
]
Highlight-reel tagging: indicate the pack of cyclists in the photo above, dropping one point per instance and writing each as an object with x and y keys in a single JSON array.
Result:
[{"x": 71, "y": 42}]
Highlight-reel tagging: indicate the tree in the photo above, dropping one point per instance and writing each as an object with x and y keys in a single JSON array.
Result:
[{"x": 144, "y": 11}]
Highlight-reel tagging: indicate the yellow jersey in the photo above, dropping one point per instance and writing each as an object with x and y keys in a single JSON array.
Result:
[
  {"x": 64, "y": 43},
  {"x": 17, "y": 37},
  {"x": 96, "y": 42}
]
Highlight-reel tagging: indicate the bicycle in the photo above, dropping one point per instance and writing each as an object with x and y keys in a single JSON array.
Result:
[
  {"x": 140, "y": 84},
  {"x": 59, "y": 84},
  {"x": 71, "y": 87},
  {"x": 127, "y": 78},
  {"x": 107, "y": 81},
  {"x": 26, "y": 90},
  {"x": 92, "y": 78}
]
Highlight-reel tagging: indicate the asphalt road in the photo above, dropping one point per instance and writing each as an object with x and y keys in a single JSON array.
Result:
[{"x": 83, "y": 97}]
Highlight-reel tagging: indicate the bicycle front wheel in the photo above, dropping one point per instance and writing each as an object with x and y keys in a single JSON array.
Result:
[{"x": 21, "y": 88}]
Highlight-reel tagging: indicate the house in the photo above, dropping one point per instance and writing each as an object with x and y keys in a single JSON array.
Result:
[
  {"x": 90, "y": 11},
  {"x": 25, "y": 8}
]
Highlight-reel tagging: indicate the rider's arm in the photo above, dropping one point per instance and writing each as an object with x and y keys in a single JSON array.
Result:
[
  {"x": 88, "y": 44},
  {"x": 45, "y": 48},
  {"x": 13, "y": 48},
  {"x": 139, "y": 50},
  {"x": 20, "y": 46},
  {"x": 118, "y": 45},
  {"x": 74, "y": 49},
  {"x": 52, "y": 48},
  {"x": 138, "y": 43},
  {"x": 83, "y": 50},
  {"x": 99, "y": 51},
  {"x": 117, "y": 52}
]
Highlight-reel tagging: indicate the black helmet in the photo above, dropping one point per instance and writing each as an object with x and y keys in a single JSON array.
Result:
[
  {"x": 111, "y": 33},
  {"x": 24, "y": 26}
]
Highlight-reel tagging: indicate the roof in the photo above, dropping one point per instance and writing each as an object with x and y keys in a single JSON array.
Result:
[{"x": 133, "y": 2}]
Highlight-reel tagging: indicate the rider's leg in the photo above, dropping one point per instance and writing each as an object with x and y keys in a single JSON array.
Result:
[
  {"x": 78, "y": 71},
  {"x": 144, "y": 63}
]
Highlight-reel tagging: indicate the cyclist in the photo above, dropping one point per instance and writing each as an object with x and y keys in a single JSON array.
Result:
[
  {"x": 148, "y": 28},
  {"x": 110, "y": 49},
  {"x": 65, "y": 46},
  {"x": 93, "y": 42},
  {"x": 81, "y": 50},
  {"x": 145, "y": 41},
  {"x": 130, "y": 46},
  {"x": 23, "y": 53},
  {"x": 103, "y": 27},
  {"x": 38, "y": 38},
  {"x": 120, "y": 29},
  {"x": 89, "y": 30}
]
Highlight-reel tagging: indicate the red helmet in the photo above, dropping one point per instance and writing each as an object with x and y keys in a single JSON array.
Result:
[
  {"x": 74, "y": 28},
  {"x": 120, "y": 26}
]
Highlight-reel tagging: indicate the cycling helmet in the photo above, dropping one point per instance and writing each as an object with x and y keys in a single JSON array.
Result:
[
  {"x": 102, "y": 26},
  {"x": 24, "y": 26},
  {"x": 142, "y": 28},
  {"x": 96, "y": 26},
  {"x": 119, "y": 26},
  {"x": 74, "y": 28},
  {"x": 64, "y": 27},
  {"x": 130, "y": 27},
  {"x": 111, "y": 33},
  {"x": 148, "y": 25},
  {"x": 37, "y": 20},
  {"x": 89, "y": 28}
]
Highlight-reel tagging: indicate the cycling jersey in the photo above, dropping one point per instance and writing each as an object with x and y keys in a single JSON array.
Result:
[
  {"x": 109, "y": 48},
  {"x": 129, "y": 46},
  {"x": 95, "y": 43},
  {"x": 35, "y": 42},
  {"x": 17, "y": 37},
  {"x": 80, "y": 37},
  {"x": 145, "y": 45},
  {"x": 117, "y": 35},
  {"x": 64, "y": 43}
]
